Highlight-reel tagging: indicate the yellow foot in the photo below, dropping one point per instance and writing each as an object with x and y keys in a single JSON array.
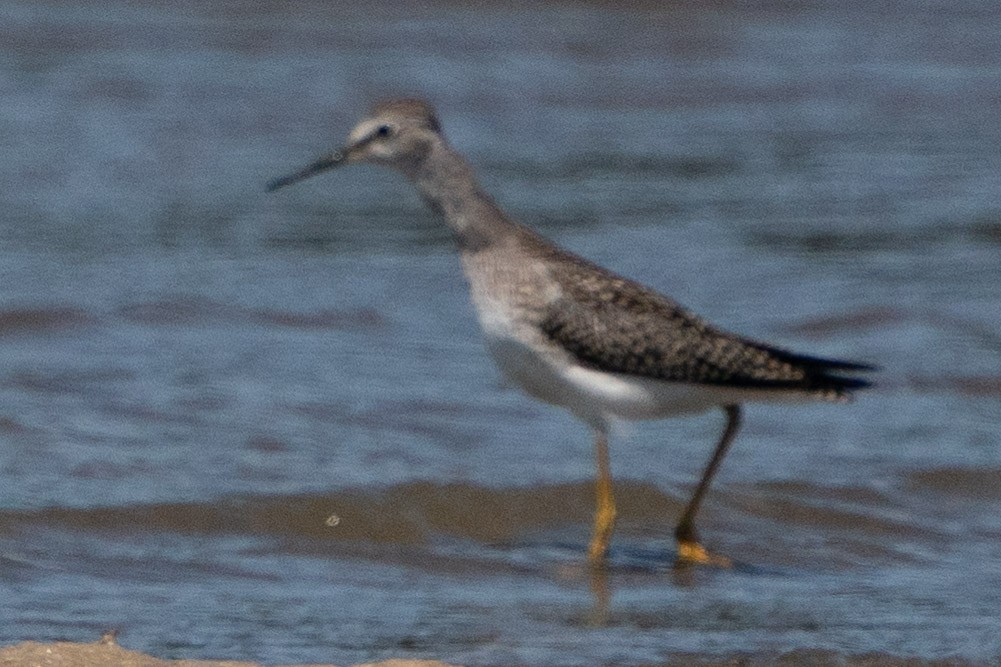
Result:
[{"x": 693, "y": 553}]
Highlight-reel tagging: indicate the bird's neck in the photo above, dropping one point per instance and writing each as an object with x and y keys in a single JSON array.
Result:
[{"x": 448, "y": 185}]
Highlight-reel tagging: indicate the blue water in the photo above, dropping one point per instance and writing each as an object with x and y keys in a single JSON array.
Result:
[{"x": 195, "y": 375}]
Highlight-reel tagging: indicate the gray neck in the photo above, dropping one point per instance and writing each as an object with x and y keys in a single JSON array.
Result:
[{"x": 448, "y": 185}]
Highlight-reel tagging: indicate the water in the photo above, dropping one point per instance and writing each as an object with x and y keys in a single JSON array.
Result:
[{"x": 263, "y": 426}]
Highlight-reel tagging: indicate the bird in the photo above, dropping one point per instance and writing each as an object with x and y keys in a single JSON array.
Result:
[{"x": 575, "y": 335}]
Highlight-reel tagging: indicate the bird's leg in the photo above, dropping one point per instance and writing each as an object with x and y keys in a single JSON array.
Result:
[
  {"x": 689, "y": 548},
  {"x": 604, "y": 514}
]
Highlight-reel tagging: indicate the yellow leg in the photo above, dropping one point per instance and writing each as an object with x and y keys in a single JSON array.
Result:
[
  {"x": 690, "y": 551},
  {"x": 604, "y": 515}
]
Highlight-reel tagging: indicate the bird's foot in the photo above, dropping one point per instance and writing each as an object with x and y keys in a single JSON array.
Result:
[{"x": 691, "y": 552}]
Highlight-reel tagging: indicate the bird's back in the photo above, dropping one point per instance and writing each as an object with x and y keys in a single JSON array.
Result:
[{"x": 609, "y": 323}]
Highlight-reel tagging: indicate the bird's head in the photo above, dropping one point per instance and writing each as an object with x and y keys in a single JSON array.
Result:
[{"x": 397, "y": 133}]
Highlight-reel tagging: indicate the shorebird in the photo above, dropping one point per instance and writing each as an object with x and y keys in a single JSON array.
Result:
[{"x": 576, "y": 335}]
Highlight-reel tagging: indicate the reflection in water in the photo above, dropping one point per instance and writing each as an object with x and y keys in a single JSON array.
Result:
[{"x": 602, "y": 594}]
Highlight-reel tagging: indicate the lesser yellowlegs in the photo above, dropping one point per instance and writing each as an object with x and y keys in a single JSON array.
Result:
[{"x": 573, "y": 334}]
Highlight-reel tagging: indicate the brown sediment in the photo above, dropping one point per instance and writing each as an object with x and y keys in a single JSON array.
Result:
[
  {"x": 819, "y": 327},
  {"x": 109, "y": 654},
  {"x": 180, "y": 310},
  {"x": 411, "y": 512},
  {"x": 977, "y": 386},
  {"x": 363, "y": 318},
  {"x": 36, "y": 320},
  {"x": 814, "y": 658},
  {"x": 65, "y": 381},
  {"x": 781, "y": 523},
  {"x": 979, "y": 483},
  {"x": 405, "y": 514},
  {"x": 192, "y": 310}
]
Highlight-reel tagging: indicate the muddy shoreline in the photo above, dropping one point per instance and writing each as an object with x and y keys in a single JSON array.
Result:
[{"x": 107, "y": 653}]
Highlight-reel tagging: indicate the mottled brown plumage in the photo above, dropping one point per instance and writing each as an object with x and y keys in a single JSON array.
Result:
[
  {"x": 574, "y": 334},
  {"x": 617, "y": 325}
]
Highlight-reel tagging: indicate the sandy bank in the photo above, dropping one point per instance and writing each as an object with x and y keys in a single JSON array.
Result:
[{"x": 108, "y": 654}]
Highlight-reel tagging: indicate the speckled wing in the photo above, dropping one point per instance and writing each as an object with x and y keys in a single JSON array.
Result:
[{"x": 615, "y": 325}]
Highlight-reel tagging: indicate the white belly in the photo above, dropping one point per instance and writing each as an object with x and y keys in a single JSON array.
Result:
[
  {"x": 592, "y": 395},
  {"x": 596, "y": 397}
]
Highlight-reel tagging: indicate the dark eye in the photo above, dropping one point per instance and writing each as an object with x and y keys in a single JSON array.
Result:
[{"x": 383, "y": 131}]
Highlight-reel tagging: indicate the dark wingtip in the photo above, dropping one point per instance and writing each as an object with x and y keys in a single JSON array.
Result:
[
  {"x": 838, "y": 365},
  {"x": 828, "y": 375},
  {"x": 820, "y": 364},
  {"x": 846, "y": 384}
]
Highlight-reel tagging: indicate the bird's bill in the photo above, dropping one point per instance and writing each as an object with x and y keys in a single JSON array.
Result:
[{"x": 326, "y": 162}]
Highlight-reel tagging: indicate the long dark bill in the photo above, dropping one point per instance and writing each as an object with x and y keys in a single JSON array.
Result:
[{"x": 324, "y": 163}]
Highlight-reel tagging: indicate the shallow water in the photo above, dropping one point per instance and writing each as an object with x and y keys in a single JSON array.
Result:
[{"x": 263, "y": 426}]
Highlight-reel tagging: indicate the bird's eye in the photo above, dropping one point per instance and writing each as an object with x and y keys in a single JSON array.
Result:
[{"x": 383, "y": 131}]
